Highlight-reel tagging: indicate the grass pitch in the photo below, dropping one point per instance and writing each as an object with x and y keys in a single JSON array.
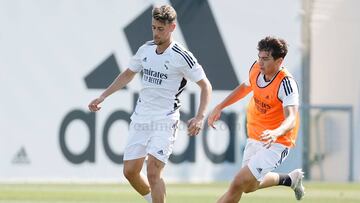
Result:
[{"x": 176, "y": 193}]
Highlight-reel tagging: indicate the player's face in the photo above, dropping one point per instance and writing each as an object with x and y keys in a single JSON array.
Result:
[
  {"x": 268, "y": 65},
  {"x": 162, "y": 31}
]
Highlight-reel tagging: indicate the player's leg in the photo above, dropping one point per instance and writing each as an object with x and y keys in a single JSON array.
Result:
[
  {"x": 266, "y": 160},
  {"x": 276, "y": 155},
  {"x": 157, "y": 184},
  {"x": 270, "y": 179},
  {"x": 134, "y": 156},
  {"x": 292, "y": 179},
  {"x": 244, "y": 181},
  {"x": 159, "y": 149},
  {"x": 239, "y": 183},
  {"x": 274, "y": 179},
  {"x": 132, "y": 172}
]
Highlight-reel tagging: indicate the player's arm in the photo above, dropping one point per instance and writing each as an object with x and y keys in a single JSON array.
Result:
[
  {"x": 205, "y": 95},
  {"x": 238, "y": 93},
  {"x": 120, "y": 81},
  {"x": 196, "y": 123},
  {"x": 288, "y": 124},
  {"x": 193, "y": 71},
  {"x": 290, "y": 99}
]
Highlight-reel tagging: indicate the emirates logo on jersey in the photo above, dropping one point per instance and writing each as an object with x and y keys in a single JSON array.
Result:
[{"x": 154, "y": 77}]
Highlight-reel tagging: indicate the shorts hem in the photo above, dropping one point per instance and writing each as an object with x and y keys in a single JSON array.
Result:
[
  {"x": 254, "y": 172},
  {"x": 159, "y": 158},
  {"x": 128, "y": 158}
]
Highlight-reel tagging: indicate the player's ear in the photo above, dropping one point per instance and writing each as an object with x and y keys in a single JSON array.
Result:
[
  {"x": 279, "y": 61},
  {"x": 172, "y": 26}
]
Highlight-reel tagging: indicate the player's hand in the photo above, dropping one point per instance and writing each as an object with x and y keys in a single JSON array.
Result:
[
  {"x": 269, "y": 136},
  {"x": 94, "y": 104},
  {"x": 194, "y": 126},
  {"x": 214, "y": 116}
]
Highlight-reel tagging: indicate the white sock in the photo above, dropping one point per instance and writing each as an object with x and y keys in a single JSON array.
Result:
[{"x": 148, "y": 198}]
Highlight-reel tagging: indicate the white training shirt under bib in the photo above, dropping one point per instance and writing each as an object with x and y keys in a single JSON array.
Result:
[
  {"x": 164, "y": 77},
  {"x": 288, "y": 92}
]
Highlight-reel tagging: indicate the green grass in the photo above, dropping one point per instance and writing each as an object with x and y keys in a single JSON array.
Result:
[{"x": 176, "y": 193}]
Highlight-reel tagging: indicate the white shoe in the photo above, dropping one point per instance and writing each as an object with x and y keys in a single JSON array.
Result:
[{"x": 296, "y": 177}]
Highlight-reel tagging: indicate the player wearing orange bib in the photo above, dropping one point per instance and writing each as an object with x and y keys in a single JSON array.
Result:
[
  {"x": 265, "y": 109},
  {"x": 272, "y": 123}
]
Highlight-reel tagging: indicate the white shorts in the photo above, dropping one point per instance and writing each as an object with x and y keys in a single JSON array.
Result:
[
  {"x": 261, "y": 160},
  {"x": 156, "y": 138}
]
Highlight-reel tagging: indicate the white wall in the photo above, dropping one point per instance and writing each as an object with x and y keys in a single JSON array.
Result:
[
  {"x": 47, "y": 47},
  {"x": 335, "y": 64}
]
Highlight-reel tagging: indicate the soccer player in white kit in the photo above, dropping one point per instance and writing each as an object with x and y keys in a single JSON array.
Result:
[{"x": 166, "y": 66}]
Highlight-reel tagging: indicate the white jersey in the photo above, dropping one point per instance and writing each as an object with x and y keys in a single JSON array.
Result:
[
  {"x": 288, "y": 92},
  {"x": 164, "y": 77}
]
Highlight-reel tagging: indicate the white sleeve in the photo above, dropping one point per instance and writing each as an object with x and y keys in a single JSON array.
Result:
[
  {"x": 191, "y": 68},
  {"x": 288, "y": 92},
  {"x": 135, "y": 61}
]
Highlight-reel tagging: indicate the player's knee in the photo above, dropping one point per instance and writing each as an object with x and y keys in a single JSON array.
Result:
[
  {"x": 154, "y": 168},
  {"x": 243, "y": 184},
  {"x": 129, "y": 173},
  {"x": 250, "y": 188},
  {"x": 153, "y": 179}
]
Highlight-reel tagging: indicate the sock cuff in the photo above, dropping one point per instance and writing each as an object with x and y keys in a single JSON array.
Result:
[
  {"x": 148, "y": 198},
  {"x": 284, "y": 179}
]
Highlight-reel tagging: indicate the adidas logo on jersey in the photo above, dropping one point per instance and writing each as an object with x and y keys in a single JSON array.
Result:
[{"x": 144, "y": 59}]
